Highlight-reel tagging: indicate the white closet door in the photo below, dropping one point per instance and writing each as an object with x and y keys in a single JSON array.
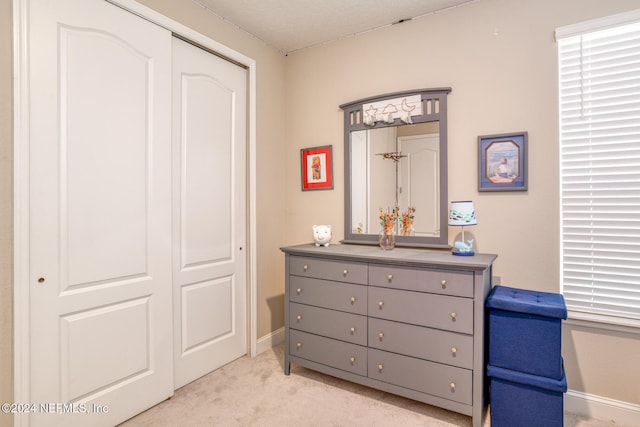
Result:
[
  {"x": 209, "y": 212},
  {"x": 100, "y": 212}
]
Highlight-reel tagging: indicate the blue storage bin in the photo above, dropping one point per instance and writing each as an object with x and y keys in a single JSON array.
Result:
[
  {"x": 525, "y": 400},
  {"x": 525, "y": 331}
]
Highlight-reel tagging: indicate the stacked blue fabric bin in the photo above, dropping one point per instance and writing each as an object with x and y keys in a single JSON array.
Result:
[{"x": 525, "y": 360}]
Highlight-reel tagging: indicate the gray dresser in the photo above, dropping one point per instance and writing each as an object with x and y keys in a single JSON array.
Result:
[{"x": 406, "y": 321}]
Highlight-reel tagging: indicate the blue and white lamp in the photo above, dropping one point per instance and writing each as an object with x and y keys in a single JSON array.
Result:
[{"x": 463, "y": 214}]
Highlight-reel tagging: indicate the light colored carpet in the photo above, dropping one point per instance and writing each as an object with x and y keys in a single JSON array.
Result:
[{"x": 255, "y": 392}]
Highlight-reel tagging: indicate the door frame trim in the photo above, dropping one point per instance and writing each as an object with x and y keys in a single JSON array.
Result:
[{"x": 21, "y": 314}]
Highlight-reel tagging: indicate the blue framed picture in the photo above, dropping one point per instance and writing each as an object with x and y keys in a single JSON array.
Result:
[{"x": 502, "y": 162}]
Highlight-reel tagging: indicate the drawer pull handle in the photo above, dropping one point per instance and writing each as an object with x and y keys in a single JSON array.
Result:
[
  {"x": 454, "y": 315},
  {"x": 353, "y": 360},
  {"x": 345, "y": 272},
  {"x": 299, "y": 318},
  {"x": 454, "y": 350},
  {"x": 353, "y": 300},
  {"x": 380, "y": 304},
  {"x": 381, "y": 335},
  {"x": 353, "y": 330},
  {"x": 299, "y": 291},
  {"x": 390, "y": 277},
  {"x": 298, "y": 345},
  {"x": 453, "y": 386},
  {"x": 443, "y": 283},
  {"x": 380, "y": 367},
  {"x": 306, "y": 267}
]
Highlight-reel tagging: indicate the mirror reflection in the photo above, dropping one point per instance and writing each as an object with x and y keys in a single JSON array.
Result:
[
  {"x": 396, "y": 166},
  {"x": 396, "y": 157}
]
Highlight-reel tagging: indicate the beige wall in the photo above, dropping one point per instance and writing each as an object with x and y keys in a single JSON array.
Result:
[
  {"x": 498, "y": 56},
  {"x": 500, "y": 59}
]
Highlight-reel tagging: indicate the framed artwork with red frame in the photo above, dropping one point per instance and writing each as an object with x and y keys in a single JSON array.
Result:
[{"x": 317, "y": 168}]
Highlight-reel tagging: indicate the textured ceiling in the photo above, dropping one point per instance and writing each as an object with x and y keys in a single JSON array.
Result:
[{"x": 290, "y": 25}]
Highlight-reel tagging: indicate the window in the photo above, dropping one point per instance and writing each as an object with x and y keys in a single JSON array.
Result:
[{"x": 599, "y": 84}]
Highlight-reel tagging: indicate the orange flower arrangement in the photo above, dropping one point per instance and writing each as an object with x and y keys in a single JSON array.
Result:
[
  {"x": 407, "y": 220},
  {"x": 388, "y": 219}
]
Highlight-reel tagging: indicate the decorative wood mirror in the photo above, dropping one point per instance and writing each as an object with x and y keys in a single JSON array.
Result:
[{"x": 396, "y": 156}]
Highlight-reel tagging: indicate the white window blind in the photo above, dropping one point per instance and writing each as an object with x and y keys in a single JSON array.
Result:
[{"x": 599, "y": 84}]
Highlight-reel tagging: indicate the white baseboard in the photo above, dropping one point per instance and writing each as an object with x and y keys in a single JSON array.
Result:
[
  {"x": 602, "y": 408},
  {"x": 265, "y": 342}
]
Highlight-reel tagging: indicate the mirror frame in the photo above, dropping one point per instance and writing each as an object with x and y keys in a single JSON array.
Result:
[{"x": 434, "y": 103}]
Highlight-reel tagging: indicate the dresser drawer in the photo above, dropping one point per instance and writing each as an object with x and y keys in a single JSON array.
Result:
[
  {"x": 324, "y": 293},
  {"x": 446, "y": 282},
  {"x": 444, "y": 381},
  {"x": 326, "y": 351},
  {"x": 340, "y": 271},
  {"x": 435, "y": 345},
  {"x": 435, "y": 311},
  {"x": 330, "y": 323}
]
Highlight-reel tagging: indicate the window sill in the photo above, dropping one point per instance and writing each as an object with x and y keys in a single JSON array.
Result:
[{"x": 598, "y": 321}]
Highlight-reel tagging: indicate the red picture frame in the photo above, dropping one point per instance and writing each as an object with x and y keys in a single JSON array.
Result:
[{"x": 317, "y": 168}]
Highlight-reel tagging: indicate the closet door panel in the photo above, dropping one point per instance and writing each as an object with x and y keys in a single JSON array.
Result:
[
  {"x": 105, "y": 156},
  {"x": 207, "y": 129}
]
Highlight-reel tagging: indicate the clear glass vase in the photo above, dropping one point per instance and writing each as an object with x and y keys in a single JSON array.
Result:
[
  {"x": 408, "y": 230},
  {"x": 387, "y": 239}
]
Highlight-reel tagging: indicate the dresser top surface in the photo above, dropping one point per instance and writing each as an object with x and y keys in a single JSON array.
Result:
[{"x": 397, "y": 256}]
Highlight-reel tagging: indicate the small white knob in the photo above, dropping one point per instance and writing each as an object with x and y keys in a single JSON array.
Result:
[
  {"x": 298, "y": 291},
  {"x": 299, "y": 345},
  {"x": 453, "y": 386},
  {"x": 299, "y": 318},
  {"x": 306, "y": 267},
  {"x": 381, "y": 304},
  {"x": 454, "y": 350},
  {"x": 443, "y": 283},
  {"x": 381, "y": 335},
  {"x": 390, "y": 277},
  {"x": 353, "y": 300},
  {"x": 353, "y": 360},
  {"x": 353, "y": 330},
  {"x": 453, "y": 315},
  {"x": 380, "y": 367},
  {"x": 345, "y": 272}
]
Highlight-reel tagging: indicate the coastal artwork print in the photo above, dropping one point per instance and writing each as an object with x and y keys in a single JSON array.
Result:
[{"x": 502, "y": 162}]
